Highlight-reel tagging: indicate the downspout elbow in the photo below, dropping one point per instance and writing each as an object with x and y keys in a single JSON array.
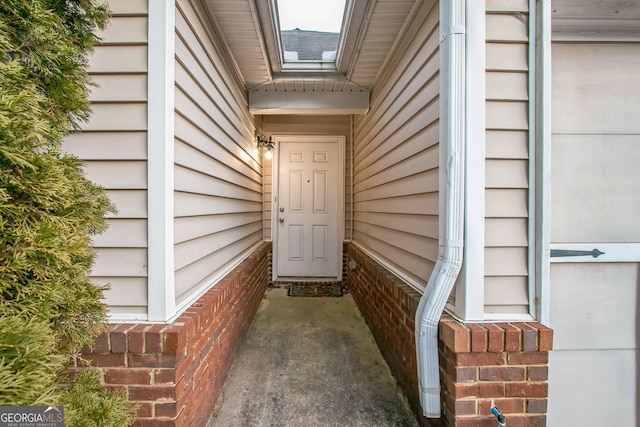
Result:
[{"x": 428, "y": 315}]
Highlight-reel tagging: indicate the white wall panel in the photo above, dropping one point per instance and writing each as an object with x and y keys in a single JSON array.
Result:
[
  {"x": 201, "y": 272},
  {"x": 128, "y": 7},
  {"x": 507, "y": 144},
  {"x": 125, "y": 29},
  {"x": 111, "y": 145},
  {"x": 426, "y": 226},
  {"x": 114, "y": 59},
  {"x": 583, "y": 70},
  {"x": 120, "y": 262},
  {"x": 130, "y": 203},
  {"x": 189, "y": 228},
  {"x": 513, "y": 27},
  {"x": 126, "y": 87},
  {"x": 130, "y": 174},
  {"x": 134, "y": 229},
  {"x": 507, "y": 56}
]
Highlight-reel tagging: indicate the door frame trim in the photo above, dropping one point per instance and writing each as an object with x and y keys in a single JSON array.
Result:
[{"x": 275, "y": 173}]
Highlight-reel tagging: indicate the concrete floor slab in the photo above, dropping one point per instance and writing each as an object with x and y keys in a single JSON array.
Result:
[{"x": 310, "y": 362}]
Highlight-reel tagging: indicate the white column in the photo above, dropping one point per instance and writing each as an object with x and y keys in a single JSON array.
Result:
[{"x": 160, "y": 139}]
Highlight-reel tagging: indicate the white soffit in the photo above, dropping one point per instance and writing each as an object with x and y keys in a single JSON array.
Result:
[
  {"x": 237, "y": 21},
  {"x": 591, "y": 20},
  {"x": 371, "y": 31},
  {"x": 307, "y": 103}
]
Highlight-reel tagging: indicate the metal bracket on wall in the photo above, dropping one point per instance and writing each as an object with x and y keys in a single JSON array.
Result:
[{"x": 565, "y": 252}]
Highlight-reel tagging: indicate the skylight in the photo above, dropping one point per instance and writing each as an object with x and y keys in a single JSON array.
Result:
[{"x": 310, "y": 29}]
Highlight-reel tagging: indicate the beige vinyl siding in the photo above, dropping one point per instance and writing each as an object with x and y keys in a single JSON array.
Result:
[
  {"x": 507, "y": 158},
  {"x": 217, "y": 175},
  {"x": 115, "y": 139},
  {"x": 396, "y": 156},
  {"x": 306, "y": 125}
]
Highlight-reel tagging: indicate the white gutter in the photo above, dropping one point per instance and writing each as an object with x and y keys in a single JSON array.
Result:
[{"x": 451, "y": 200}]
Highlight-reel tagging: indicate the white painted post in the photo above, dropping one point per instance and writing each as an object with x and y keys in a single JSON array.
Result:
[
  {"x": 470, "y": 296},
  {"x": 540, "y": 151},
  {"x": 160, "y": 160}
]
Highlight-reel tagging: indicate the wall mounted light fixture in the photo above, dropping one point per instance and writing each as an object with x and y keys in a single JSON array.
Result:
[{"x": 263, "y": 143}]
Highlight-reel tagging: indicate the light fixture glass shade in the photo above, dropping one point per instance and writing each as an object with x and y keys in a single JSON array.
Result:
[{"x": 268, "y": 155}]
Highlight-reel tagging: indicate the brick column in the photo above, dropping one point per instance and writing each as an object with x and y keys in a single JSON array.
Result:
[{"x": 494, "y": 364}]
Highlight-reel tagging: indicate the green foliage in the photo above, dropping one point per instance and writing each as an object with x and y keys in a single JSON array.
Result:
[
  {"x": 88, "y": 405},
  {"x": 28, "y": 368},
  {"x": 48, "y": 209}
]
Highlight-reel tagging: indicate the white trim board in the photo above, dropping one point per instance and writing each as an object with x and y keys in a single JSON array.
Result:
[
  {"x": 540, "y": 155},
  {"x": 161, "y": 299},
  {"x": 391, "y": 268},
  {"x": 469, "y": 300}
]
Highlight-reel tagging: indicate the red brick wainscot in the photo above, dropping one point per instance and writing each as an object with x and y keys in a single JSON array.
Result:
[
  {"x": 481, "y": 365},
  {"x": 494, "y": 364},
  {"x": 175, "y": 372}
]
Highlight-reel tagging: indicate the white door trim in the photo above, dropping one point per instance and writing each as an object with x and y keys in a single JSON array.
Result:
[{"x": 276, "y": 190}]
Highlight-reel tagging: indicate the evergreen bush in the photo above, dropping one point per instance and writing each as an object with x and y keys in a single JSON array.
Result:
[{"x": 49, "y": 309}]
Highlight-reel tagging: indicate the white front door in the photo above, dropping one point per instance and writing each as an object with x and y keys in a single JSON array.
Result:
[
  {"x": 308, "y": 207},
  {"x": 595, "y": 202}
]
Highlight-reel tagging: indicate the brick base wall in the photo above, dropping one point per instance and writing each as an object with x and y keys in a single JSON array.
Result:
[
  {"x": 481, "y": 365},
  {"x": 494, "y": 364},
  {"x": 175, "y": 372},
  {"x": 389, "y": 306}
]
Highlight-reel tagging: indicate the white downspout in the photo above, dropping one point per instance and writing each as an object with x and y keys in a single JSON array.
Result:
[{"x": 451, "y": 200}]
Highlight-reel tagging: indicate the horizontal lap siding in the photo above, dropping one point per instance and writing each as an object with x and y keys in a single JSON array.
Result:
[
  {"x": 113, "y": 145},
  {"x": 507, "y": 159},
  {"x": 218, "y": 177},
  {"x": 396, "y": 157}
]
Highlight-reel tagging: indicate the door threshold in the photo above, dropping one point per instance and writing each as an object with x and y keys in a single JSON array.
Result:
[{"x": 287, "y": 280}]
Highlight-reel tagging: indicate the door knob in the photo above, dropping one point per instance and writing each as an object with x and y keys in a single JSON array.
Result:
[{"x": 281, "y": 219}]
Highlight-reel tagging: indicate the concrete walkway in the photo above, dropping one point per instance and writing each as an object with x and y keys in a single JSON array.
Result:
[{"x": 310, "y": 362}]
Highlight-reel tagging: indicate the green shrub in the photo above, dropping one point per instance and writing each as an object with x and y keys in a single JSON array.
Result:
[
  {"x": 29, "y": 368},
  {"x": 88, "y": 405},
  {"x": 49, "y": 308}
]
